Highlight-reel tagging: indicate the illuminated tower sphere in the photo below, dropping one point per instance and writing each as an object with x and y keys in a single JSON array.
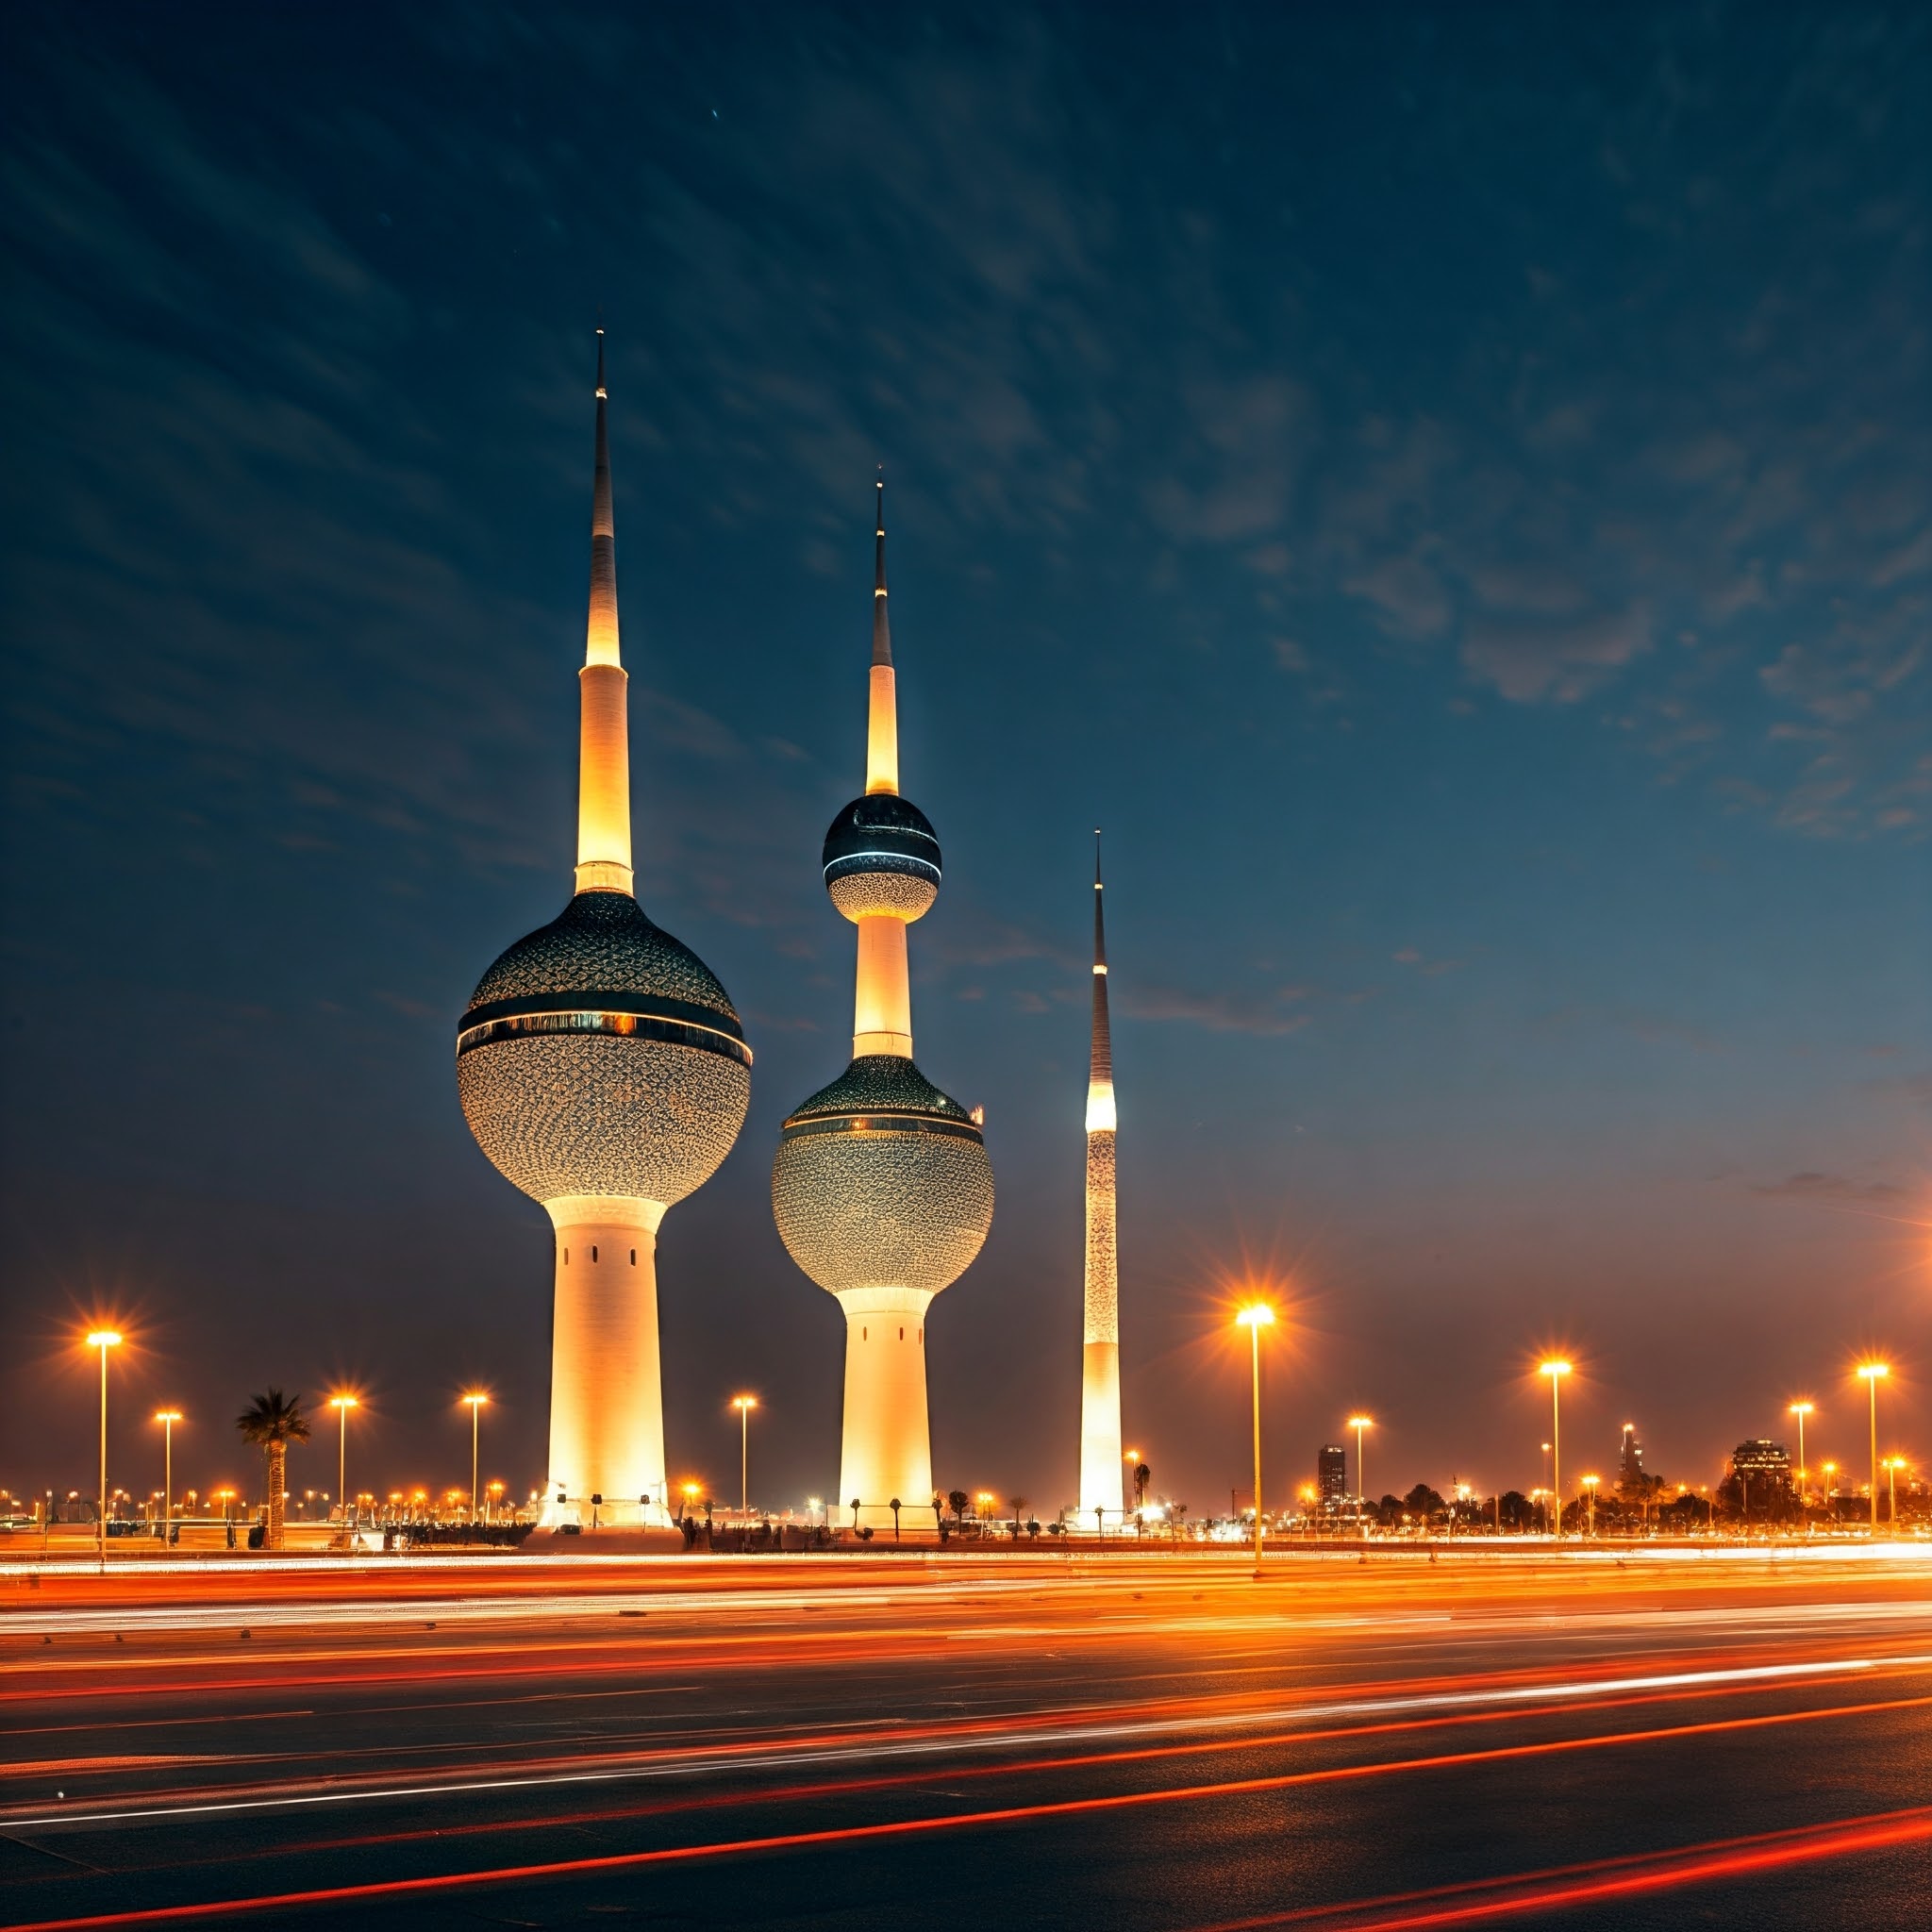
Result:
[
  {"x": 1100, "y": 1375},
  {"x": 603, "y": 1069},
  {"x": 882, "y": 1190}
]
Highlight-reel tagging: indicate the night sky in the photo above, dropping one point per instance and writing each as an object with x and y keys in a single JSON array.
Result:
[{"x": 1449, "y": 492}]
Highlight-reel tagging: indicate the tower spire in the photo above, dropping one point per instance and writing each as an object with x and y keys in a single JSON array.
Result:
[
  {"x": 882, "y": 722},
  {"x": 604, "y": 748},
  {"x": 1100, "y": 1073},
  {"x": 1100, "y": 1373}
]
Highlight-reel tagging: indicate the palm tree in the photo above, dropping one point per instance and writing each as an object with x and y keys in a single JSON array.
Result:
[
  {"x": 1142, "y": 1477},
  {"x": 274, "y": 1420}
]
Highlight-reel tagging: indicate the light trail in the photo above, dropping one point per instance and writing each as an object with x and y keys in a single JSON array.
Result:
[
  {"x": 1604, "y": 1878},
  {"x": 779, "y": 1760},
  {"x": 1915, "y": 1824}
]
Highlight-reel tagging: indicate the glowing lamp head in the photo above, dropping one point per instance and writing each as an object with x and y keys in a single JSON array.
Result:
[
  {"x": 344, "y": 1402},
  {"x": 1553, "y": 1368},
  {"x": 1256, "y": 1315},
  {"x": 1868, "y": 1371},
  {"x": 168, "y": 1415},
  {"x": 745, "y": 1402},
  {"x": 1801, "y": 1409},
  {"x": 1362, "y": 1422},
  {"x": 103, "y": 1338},
  {"x": 476, "y": 1401},
  {"x": 1589, "y": 1482}
]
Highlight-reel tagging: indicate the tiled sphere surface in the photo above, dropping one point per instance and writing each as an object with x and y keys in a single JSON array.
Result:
[
  {"x": 859, "y": 895},
  {"x": 602, "y": 943},
  {"x": 587, "y": 1113},
  {"x": 599, "y": 1056},
  {"x": 882, "y": 1181}
]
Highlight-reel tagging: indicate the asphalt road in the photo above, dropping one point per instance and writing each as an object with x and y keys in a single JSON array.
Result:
[{"x": 961, "y": 1741}]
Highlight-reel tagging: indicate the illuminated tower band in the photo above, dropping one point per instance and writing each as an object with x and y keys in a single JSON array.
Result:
[
  {"x": 1101, "y": 1474},
  {"x": 881, "y": 1188},
  {"x": 603, "y": 1069}
]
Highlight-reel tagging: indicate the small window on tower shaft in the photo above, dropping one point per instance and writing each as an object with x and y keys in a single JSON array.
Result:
[
  {"x": 594, "y": 1254},
  {"x": 566, "y": 1258},
  {"x": 865, "y": 1333},
  {"x": 633, "y": 1257},
  {"x": 902, "y": 1335}
]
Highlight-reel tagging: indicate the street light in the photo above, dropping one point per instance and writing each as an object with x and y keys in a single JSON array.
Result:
[
  {"x": 1892, "y": 1465},
  {"x": 1253, "y": 1318},
  {"x": 343, "y": 1405},
  {"x": 103, "y": 1338},
  {"x": 168, "y": 1418},
  {"x": 1801, "y": 1409},
  {"x": 1360, "y": 1422},
  {"x": 744, "y": 1405},
  {"x": 473, "y": 1402},
  {"x": 1590, "y": 1482},
  {"x": 1870, "y": 1374},
  {"x": 1555, "y": 1371}
]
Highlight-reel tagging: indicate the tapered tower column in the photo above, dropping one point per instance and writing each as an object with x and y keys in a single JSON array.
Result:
[
  {"x": 603, "y": 1069},
  {"x": 881, "y": 1188},
  {"x": 606, "y": 1400},
  {"x": 1101, "y": 1474}
]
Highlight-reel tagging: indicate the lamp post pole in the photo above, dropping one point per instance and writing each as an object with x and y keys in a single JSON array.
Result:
[
  {"x": 1253, "y": 1318},
  {"x": 168, "y": 1418},
  {"x": 744, "y": 1405},
  {"x": 1801, "y": 1409},
  {"x": 1360, "y": 1422},
  {"x": 1555, "y": 1371},
  {"x": 1872, "y": 1373},
  {"x": 473, "y": 1402},
  {"x": 104, "y": 1339},
  {"x": 343, "y": 1405}
]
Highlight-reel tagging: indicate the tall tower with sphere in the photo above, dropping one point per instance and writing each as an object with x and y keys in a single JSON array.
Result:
[
  {"x": 1100, "y": 1356},
  {"x": 603, "y": 1069},
  {"x": 881, "y": 1188}
]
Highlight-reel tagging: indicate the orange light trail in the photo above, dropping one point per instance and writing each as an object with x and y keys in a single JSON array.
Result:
[{"x": 1011, "y": 1814}]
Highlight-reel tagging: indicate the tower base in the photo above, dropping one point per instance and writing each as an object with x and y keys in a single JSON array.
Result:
[
  {"x": 1102, "y": 1476},
  {"x": 606, "y": 1396},
  {"x": 887, "y": 1449}
]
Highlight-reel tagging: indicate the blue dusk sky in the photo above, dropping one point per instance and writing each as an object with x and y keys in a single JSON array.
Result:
[{"x": 1448, "y": 489}]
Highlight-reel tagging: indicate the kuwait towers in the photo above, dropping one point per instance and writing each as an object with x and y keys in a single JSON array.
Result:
[
  {"x": 1100, "y": 1373},
  {"x": 604, "y": 1072},
  {"x": 882, "y": 1190}
]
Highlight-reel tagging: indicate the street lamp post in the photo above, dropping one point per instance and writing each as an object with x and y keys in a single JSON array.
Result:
[
  {"x": 1892, "y": 1465},
  {"x": 103, "y": 1338},
  {"x": 473, "y": 1402},
  {"x": 1590, "y": 1482},
  {"x": 343, "y": 1405},
  {"x": 1870, "y": 1374},
  {"x": 744, "y": 1405},
  {"x": 1555, "y": 1371},
  {"x": 1253, "y": 1318},
  {"x": 1360, "y": 1422},
  {"x": 168, "y": 1418},
  {"x": 1801, "y": 1409}
]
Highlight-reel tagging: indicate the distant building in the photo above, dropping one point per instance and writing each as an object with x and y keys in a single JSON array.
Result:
[
  {"x": 1761, "y": 1462},
  {"x": 1331, "y": 1475},
  {"x": 1630, "y": 1461}
]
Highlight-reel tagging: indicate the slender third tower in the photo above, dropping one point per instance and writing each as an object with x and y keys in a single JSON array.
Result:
[
  {"x": 603, "y": 1069},
  {"x": 881, "y": 1188},
  {"x": 1100, "y": 1362}
]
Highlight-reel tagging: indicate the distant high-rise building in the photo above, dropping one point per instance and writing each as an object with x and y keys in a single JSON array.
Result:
[
  {"x": 881, "y": 1190},
  {"x": 1761, "y": 1460},
  {"x": 603, "y": 1069},
  {"x": 1631, "y": 1481},
  {"x": 1101, "y": 1459},
  {"x": 1331, "y": 1475}
]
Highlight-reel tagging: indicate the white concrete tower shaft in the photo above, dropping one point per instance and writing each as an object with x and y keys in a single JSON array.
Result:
[
  {"x": 886, "y": 1446},
  {"x": 1101, "y": 1468},
  {"x": 606, "y": 1389}
]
